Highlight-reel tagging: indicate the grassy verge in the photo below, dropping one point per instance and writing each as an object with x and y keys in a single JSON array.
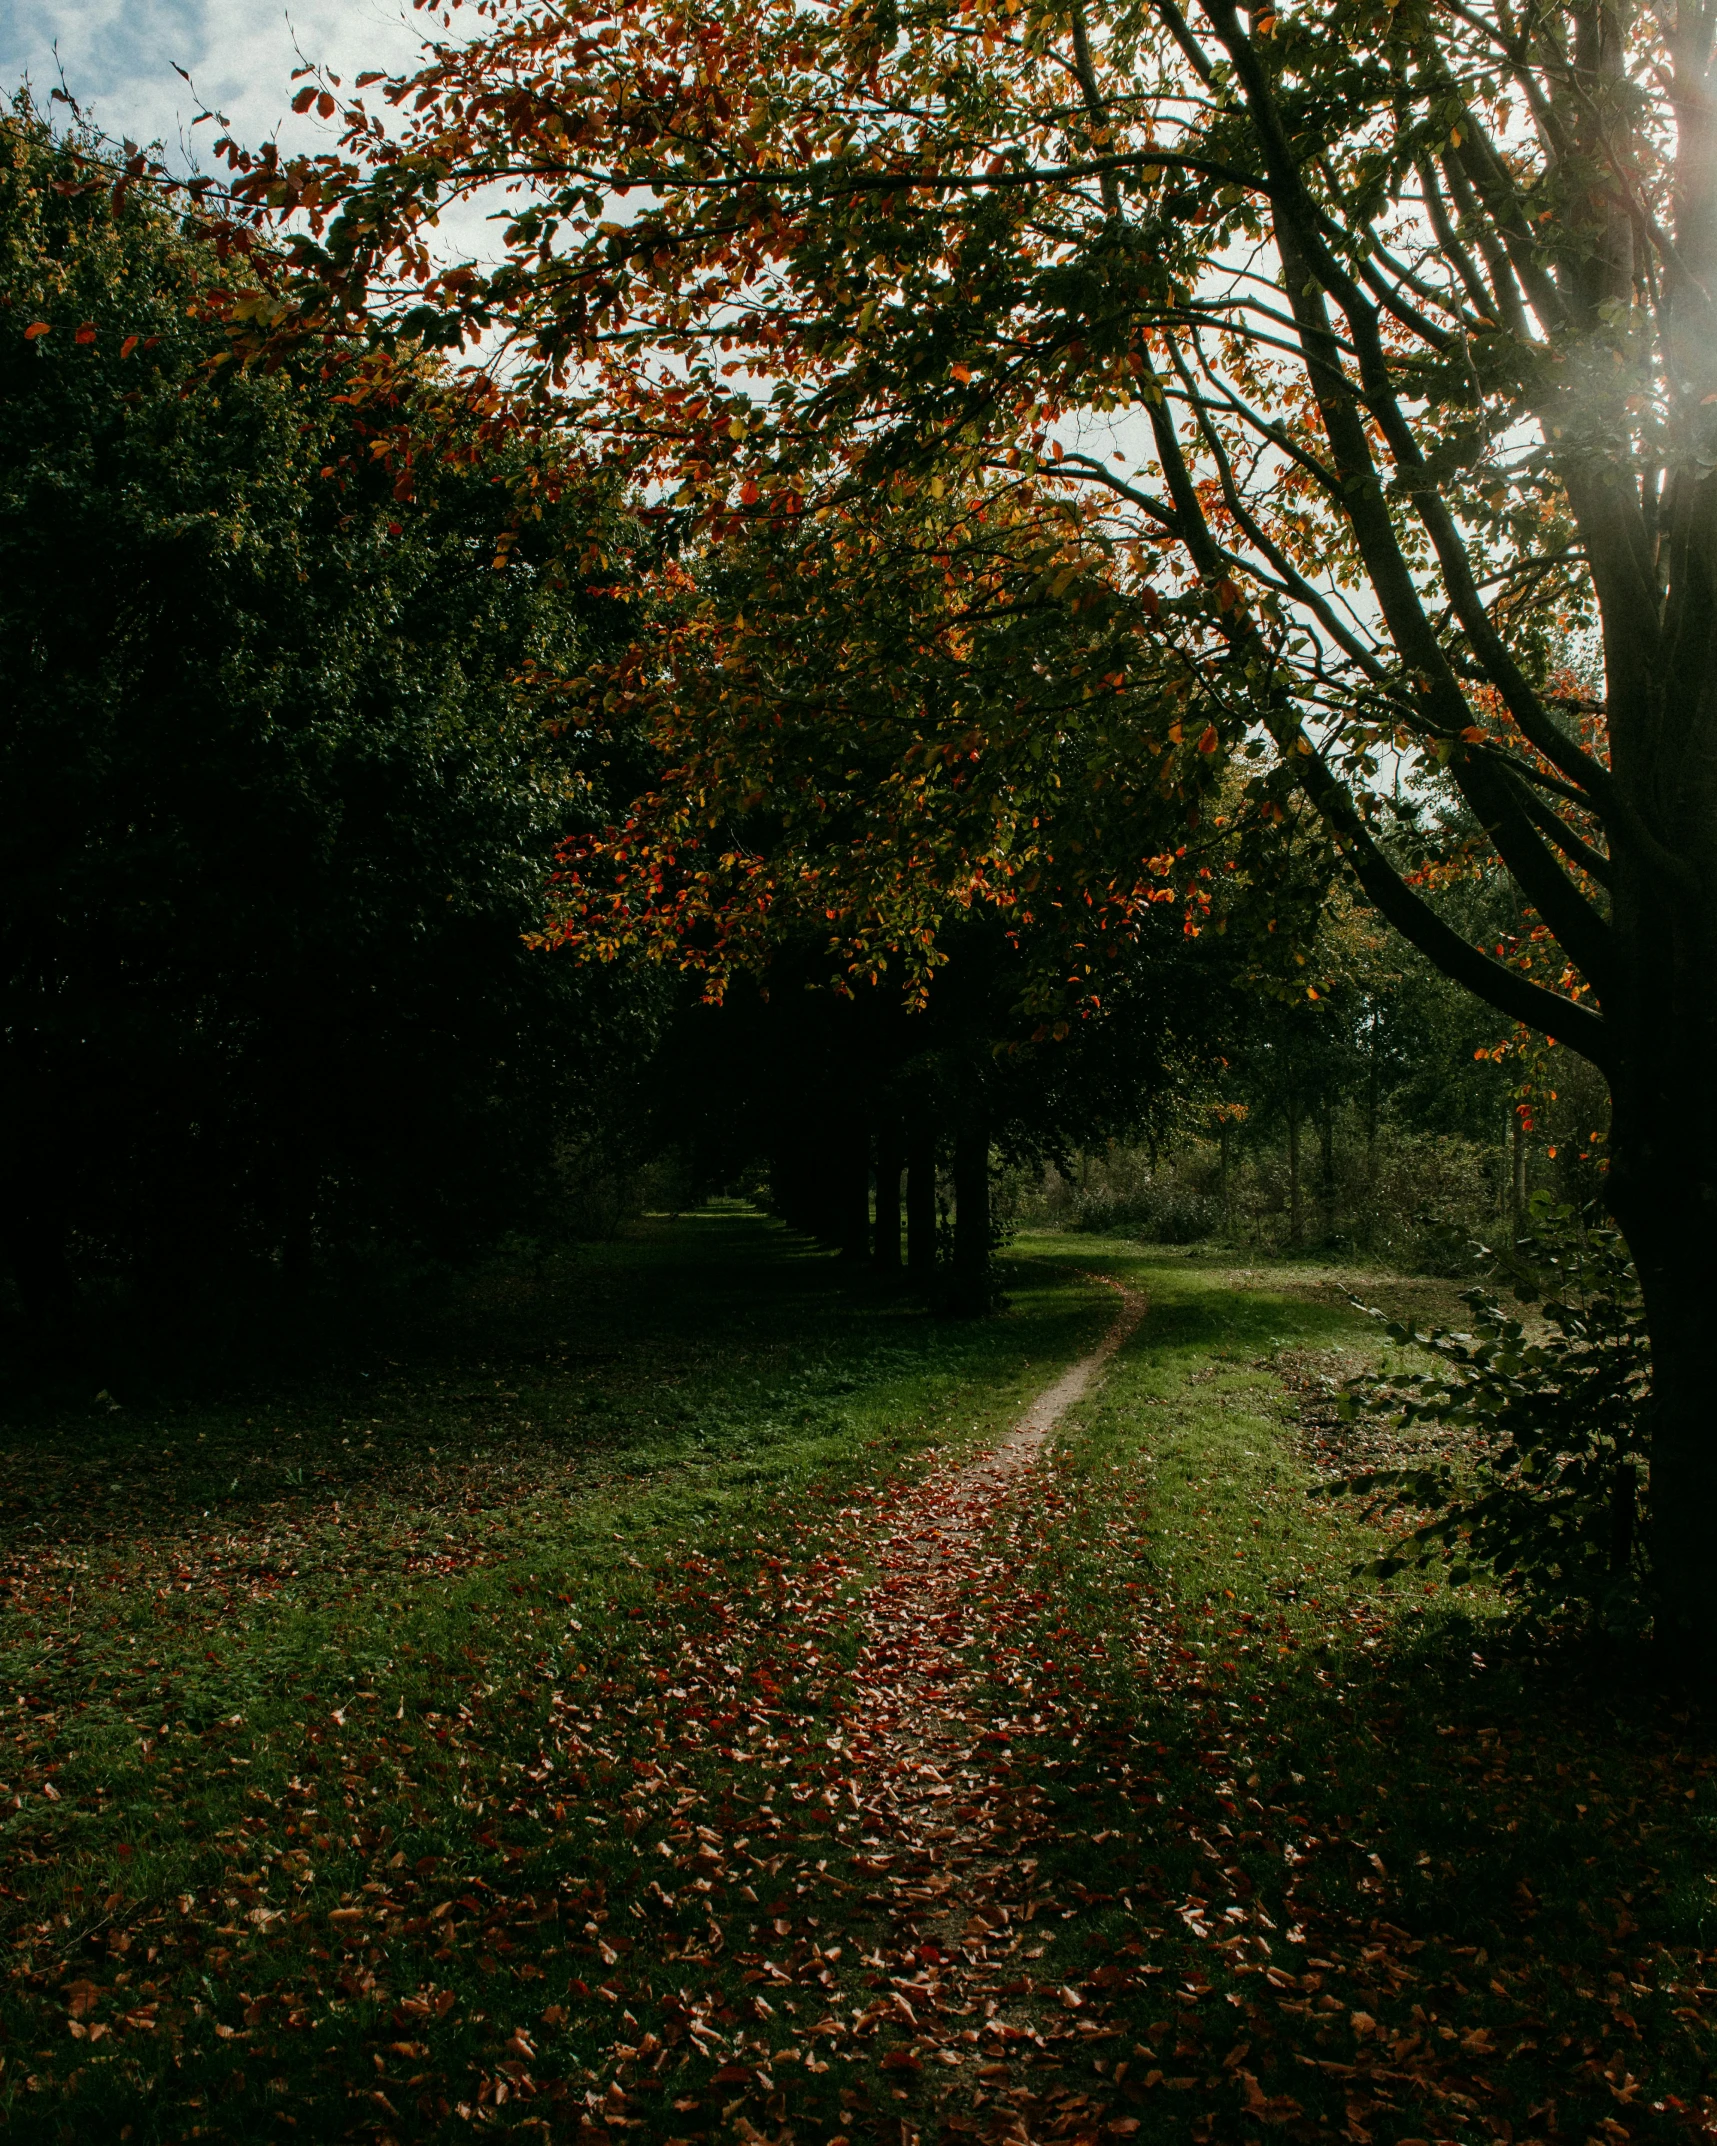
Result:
[
  {"x": 468, "y": 1745},
  {"x": 370, "y": 1762},
  {"x": 1359, "y": 1863}
]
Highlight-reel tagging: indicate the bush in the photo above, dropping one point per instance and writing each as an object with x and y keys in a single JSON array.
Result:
[
  {"x": 1121, "y": 1192},
  {"x": 1548, "y": 1500}
]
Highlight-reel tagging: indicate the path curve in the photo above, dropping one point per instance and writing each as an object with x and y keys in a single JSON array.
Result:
[{"x": 1025, "y": 1441}]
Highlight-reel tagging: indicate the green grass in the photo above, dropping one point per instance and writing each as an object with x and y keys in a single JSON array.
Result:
[
  {"x": 1411, "y": 1873},
  {"x": 460, "y": 1745},
  {"x": 257, "y": 1661}
]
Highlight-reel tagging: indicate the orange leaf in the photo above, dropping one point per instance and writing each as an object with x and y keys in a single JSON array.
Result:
[
  {"x": 37, "y": 327},
  {"x": 129, "y": 345},
  {"x": 86, "y": 334}
]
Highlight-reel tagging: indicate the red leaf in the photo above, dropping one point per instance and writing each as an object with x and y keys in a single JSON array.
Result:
[{"x": 37, "y": 327}]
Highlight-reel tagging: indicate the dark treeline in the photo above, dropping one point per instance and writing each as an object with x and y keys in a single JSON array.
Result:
[
  {"x": 880, "y": 1130},
  {"x": 274, "y": 809}
]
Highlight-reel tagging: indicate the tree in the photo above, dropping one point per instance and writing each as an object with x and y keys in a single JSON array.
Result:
[
  {"x": 1415, "y": 303},
  {"x": 275, "y": 809}
]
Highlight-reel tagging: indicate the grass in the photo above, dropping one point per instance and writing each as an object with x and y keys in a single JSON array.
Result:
[
  {"x": 1414, "y": 1875},
  {"x": 461, "y": 1744},
  {"x": 282, "y": 1682}
]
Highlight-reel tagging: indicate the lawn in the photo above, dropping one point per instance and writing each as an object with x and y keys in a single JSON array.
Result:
[{"x": 469, "y": 1741}]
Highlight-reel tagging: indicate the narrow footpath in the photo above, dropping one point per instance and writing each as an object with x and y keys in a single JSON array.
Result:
[{"x": 953, "y": 1856}]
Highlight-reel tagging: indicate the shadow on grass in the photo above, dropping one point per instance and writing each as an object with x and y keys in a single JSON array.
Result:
[{"x": 1408, "y": 1870}]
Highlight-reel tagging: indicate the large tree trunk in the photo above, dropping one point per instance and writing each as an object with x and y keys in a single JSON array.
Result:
[
  {"x": 1672, "y": 1246},
  {"x": 1662, "y": 1190},
  {"x": 851, "y": 1160}
]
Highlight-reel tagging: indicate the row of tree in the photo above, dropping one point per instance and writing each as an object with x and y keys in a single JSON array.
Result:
[
  {"x": 1410, "y": 592},
  {"x": 314, "y": 670}
]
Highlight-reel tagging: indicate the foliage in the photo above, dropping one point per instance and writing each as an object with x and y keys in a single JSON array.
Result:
[
  {"x": 276, "y": 797},
  {"x": 1415, "y": 305},
  {"x": 879, "y": 721},
  {"x": 882, "y": 278},
  {"x": 1550, "y": 1471},
  {"x": 1119, "y": 1191}
]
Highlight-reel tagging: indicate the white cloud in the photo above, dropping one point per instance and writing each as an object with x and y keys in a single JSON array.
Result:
[{"x": 118, "y": 58}]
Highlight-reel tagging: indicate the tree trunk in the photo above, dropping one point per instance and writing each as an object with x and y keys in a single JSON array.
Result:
[
  {"x": 298, "y": 1183},
  {"x": 885, "y": 1242},
  {"x": 33, "y": 1222},
  {"x": 34, "y": 1235},
  {"x": 787, "y": 1182},
  {"x": 1326, "y": 1164},
  {"x": 921, "y": 1204},
  {"x": 1222, "y": 1138},
  {"x": 1296, "y": 1216},
  {"x": 1675, "y": 1261},
  {"x": 851, "y": 1221},
  {"x": 1662, "y": 1189},
  {"x": 1371, "y": 1108},
  {"x": 972, "y": 1220},
  {"x": 1517, "y": 1179}
]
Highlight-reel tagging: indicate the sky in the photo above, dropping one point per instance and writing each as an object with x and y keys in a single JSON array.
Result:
[{"x": 118, "y": 57}]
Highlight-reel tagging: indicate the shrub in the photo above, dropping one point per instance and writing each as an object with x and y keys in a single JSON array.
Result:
[{"x": 1546, "y": 1499}]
